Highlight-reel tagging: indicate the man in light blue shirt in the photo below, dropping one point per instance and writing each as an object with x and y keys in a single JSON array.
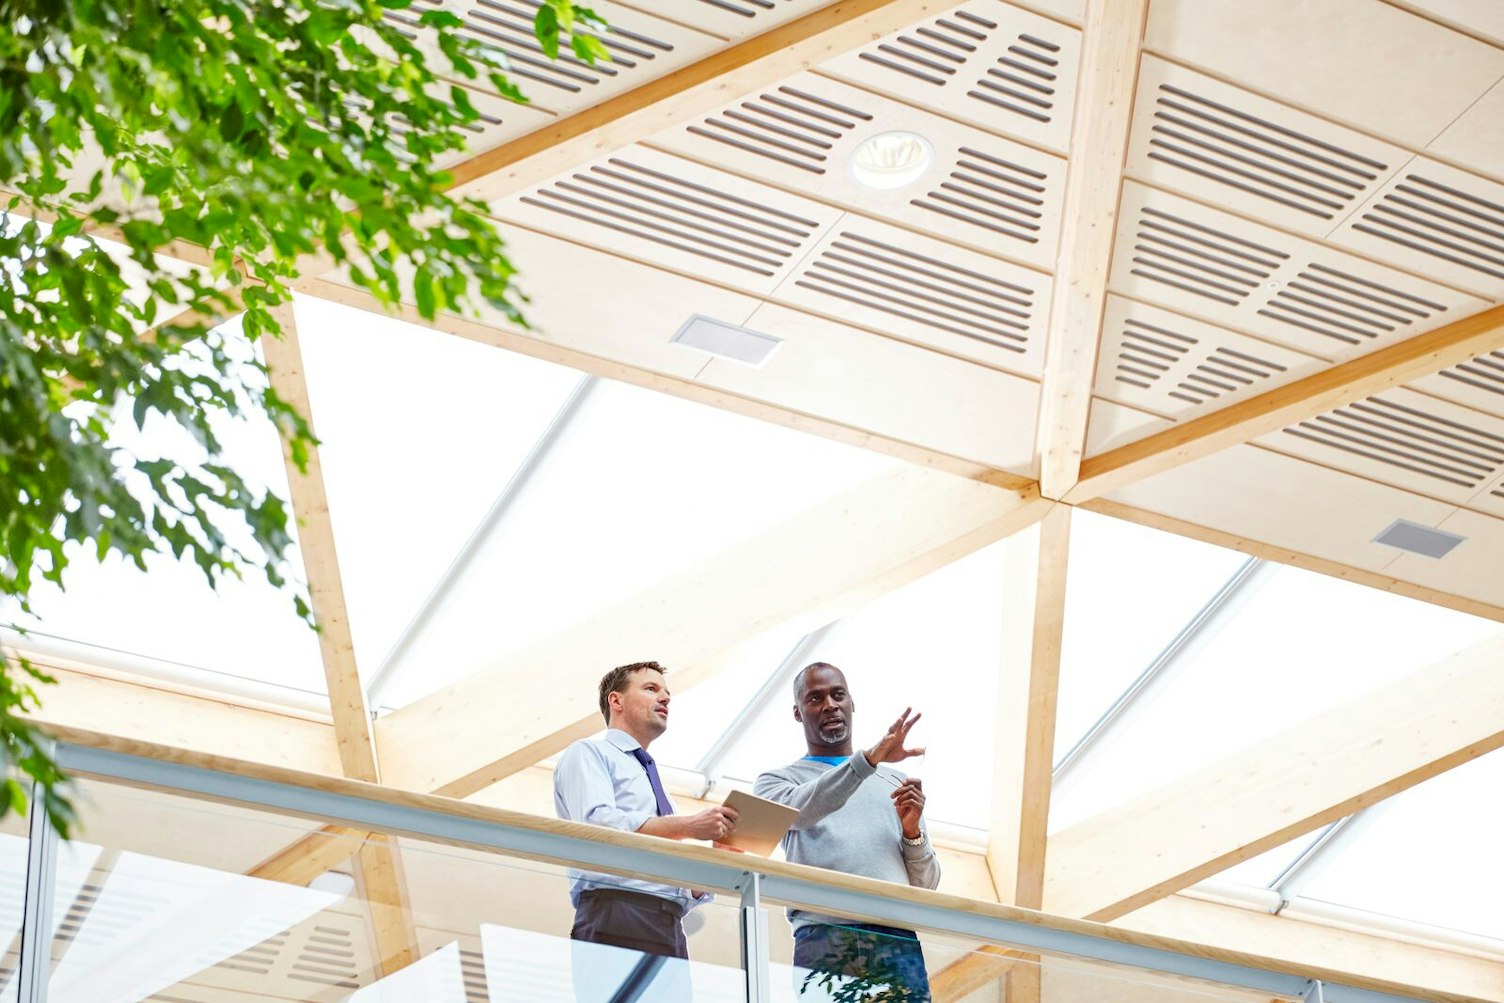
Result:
[{"x": 612, "y": 781}]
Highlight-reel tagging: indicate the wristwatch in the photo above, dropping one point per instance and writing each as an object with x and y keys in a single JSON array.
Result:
[{"x": 916, "y": 841}]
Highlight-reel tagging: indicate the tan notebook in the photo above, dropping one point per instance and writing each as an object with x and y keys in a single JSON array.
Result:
[{"x": 760, "y": 824}]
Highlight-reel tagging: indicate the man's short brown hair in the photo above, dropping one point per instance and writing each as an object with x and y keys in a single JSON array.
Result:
[{"x": 616, "y": 680}]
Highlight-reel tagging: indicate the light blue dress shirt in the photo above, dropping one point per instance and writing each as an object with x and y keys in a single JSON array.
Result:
[{"x": 599, "y": 781}]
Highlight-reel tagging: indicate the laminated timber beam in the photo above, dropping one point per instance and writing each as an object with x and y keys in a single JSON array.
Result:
[
  {"x": 1372, "y": 748},
  {"x": 1245, "y": 420}
]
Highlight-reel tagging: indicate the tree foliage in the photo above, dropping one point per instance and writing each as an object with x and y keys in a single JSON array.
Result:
[{"x": 252, "y": 135}]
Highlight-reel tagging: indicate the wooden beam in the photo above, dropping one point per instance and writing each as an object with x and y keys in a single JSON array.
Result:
[
  {"x": 101, "y": 700},
  {"x": 549, "y": 351},
  {"x": 1316, "y": 394},
  {"x": 810, "y": 569},
  {"x": 694, "y": 90},
  {"x": 1311, "y": 775},
  {"x": 1027, "y": 689},
  {"x": 301, "y": 861},
  {"x": 1114, "y": 33},
  {"x": 1294, "y": 558},
  {"x": 310, "y": 503},
  {"x": 383, "y": 887},
  {"x": 1302, "y": 942}
]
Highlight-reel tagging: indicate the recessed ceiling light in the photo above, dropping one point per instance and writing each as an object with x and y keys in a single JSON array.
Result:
[
  {"x": 1418, "y": 539},
  {"x": 729, "y": 341},
  {"x": 891, "y": 160}
]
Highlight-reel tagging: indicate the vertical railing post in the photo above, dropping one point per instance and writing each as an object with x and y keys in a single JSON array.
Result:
[
  {"x": 756, "y": 958},
  {"x": 36, "y": 918}
]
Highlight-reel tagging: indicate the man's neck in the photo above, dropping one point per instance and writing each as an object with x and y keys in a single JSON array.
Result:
[
  {"x": 830, "y": 751},
  {"x": 641, "y": 740}
]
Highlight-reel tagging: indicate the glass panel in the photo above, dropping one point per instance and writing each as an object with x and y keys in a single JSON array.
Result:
[
  {"x": 1431, "y": 855},
  {"x": 13, "y": 847},
  {"x": 169, "y": 898},
  {"x": 419, "y": 432},
  {"x": 647, "y": 486},
  {"x": 864, "y": 963},
  {"x": 1302, "y": 645}
]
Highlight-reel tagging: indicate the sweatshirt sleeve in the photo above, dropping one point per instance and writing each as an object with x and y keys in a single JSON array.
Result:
[
  {"x": 815, "y": 798},
  {"x": 921, "y": 863}
]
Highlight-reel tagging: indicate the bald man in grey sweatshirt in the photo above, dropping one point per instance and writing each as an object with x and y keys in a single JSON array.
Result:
[{"x": 857, "y": 815}]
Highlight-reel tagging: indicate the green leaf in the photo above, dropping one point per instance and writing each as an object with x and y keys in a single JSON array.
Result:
[{"x": 546, "y": 28}]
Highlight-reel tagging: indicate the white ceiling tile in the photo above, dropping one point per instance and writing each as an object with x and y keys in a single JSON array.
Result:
[
  {"x": 986, "y": 192},
  {"x": 921, "y": 289},
  {"x": 1237, "y": 274},
  {"x": 896, "y": 390},
  {"x": 1434, "y": 219},
  {"x": 1112, "y": 425},
  {"x": 1361, "y": 62},
  {"x": 1182, "y": 368},
  {"x": 1478, "y": 383},
  {"x": 1257, "y": 157},
  {"x": 732, "y": 19},
  {"x": 1476, "y": 140},
  {"x": 985, "y": 62},
  {"x": 1471, "y": 569},
  {"x": 1481, "y": 17}
]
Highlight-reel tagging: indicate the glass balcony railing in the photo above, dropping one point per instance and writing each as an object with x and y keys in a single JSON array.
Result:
[{"x": 190, "y": 884}]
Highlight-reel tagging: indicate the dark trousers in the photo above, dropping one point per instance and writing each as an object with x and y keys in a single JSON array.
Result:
[
  {"x": 884, "y": 959},
  {"x": 633, "y": 920}
]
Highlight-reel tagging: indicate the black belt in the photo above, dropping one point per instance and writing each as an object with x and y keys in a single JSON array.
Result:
[{"x": 671, "y": 906}]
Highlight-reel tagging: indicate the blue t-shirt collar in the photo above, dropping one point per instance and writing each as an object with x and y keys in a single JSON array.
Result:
[{"x": 829, "y": 760}]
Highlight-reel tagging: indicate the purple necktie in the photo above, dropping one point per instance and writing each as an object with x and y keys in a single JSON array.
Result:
[{"x": 651, "y": 768}]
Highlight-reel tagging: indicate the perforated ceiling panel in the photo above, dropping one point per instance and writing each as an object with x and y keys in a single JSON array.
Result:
[
  {"x": 867, "y": 272},
  {"x": 1257, "y": 157},
  {"x": 642, "y": 47},
  {"x": 1438, "y": 221},
  {"x": 734, "y": 19},
  {"x": 667, "y": 211},
  {"x": 986, "y": 192},
  {"x": 1241, "y": 275},
  {"x": 1478, "y": 384},
  {"x": 985, "y": 62},
  {"x": 500, "y": 121},
  {"x": 1178, "y": 367},
  {"x": 1409, "y": 440}
]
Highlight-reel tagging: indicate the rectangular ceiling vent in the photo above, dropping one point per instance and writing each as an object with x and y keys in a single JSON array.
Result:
[
  {"x": 945, "y": 297},
  {"x": 1418, "y": 539},
  {"x": 789, "y": 126},
  {"x": 729, "y": 341},
  {"x": 1200, "y": 260},
  {"x": 473, "y": 970},
  {"x": 1409, "y": 438},
  {"x": 506, "y": 27},
  {"x": 985, "y": 62},
  {"x": 650, "y": 205}
]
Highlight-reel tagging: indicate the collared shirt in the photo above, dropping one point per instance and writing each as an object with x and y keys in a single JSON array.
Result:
[{"x": 599, "y": 781}]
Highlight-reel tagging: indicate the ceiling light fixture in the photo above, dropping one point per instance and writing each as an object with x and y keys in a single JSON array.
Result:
[{"x": 891, "y": 160}]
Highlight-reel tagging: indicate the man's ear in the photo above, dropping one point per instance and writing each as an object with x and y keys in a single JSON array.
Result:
[{"x": 798, "y": 716}]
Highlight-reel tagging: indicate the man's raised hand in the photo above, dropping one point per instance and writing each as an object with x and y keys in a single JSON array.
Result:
[
  {"x": 713, "y": 823},
  {"x": 890, "y": 748}
]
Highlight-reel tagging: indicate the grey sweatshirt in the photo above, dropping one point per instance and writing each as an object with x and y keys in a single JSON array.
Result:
[{"x": 847, "y": 823}]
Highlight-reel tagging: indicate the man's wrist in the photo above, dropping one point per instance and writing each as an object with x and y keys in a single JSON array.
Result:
[{"x": 915, "y": 840}]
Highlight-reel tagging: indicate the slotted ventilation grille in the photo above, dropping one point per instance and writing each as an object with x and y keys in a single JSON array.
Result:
[
  {"x": 327, "y": 957},
  {"x": 1023, "y": 79},
  {"x": 1343, "y": 307},
  {"x": 650, "y": 205},
  {"x": 986, "y": 63},
  {"x": 1148, "y": 352},
  {"x": 1200, "y": 260},
  {"x": 99, "y": 925},
  {"x": 789, "y": 125},
  {"x": 992, "y": 193},
  {"x": 1243, "y": 151},
  {"x": 1484, "y": 373},
  {"x": 1408, "y": 438},
  {"x": 506, "y": 27},
  {"x": 942, "y": 296},
  {"x": 742, "y": 8},
  {"x": 473, "y": 970},
  {"x": 1225, "y": 372},
  {"x": 1439, "y": 221}
]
